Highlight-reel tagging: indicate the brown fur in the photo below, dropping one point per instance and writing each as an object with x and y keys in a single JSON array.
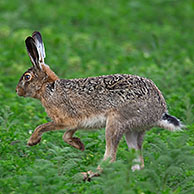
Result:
[
  {"x": 123, "y": 104},
  {"x": 51, "y": 75}
]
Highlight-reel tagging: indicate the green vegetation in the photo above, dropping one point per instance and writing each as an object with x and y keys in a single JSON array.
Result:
[{"x": 151, "y": 38}]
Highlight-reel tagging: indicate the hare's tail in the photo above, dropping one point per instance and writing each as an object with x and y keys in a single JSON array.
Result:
[{"x": 170, "y": 123}]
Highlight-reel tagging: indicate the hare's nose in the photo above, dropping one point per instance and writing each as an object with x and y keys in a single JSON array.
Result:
[{"x": 17, "y": 89}]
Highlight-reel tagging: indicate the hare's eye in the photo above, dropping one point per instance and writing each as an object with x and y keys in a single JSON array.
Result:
[{"x": 27, "y": 77}]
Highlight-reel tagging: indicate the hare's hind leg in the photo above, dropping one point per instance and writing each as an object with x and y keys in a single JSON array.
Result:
[
  {"x": 73, "y": 141},
  {"x": 36, "y": 136},
  {"x": 134, "y": 140},
  {"x": 114, "y": 132}
]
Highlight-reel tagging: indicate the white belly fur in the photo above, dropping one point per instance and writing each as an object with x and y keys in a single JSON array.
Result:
[{"x": 93, "y": 122}]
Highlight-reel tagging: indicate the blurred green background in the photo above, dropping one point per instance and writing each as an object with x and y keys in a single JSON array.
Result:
[{"x": 150, "y": 38}]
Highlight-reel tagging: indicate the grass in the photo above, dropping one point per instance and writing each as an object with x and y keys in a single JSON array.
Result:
[{"x": 151, "y": 38}]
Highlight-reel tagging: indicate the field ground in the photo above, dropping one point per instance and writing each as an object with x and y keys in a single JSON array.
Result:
[{"x": 150, "y": 38}]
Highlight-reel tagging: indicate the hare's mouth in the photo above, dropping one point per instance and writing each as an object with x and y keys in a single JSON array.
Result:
[{"x": 20, "y": 91}]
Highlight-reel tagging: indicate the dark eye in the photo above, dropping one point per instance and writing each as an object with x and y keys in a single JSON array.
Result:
[{"x": 27, "y": 77}]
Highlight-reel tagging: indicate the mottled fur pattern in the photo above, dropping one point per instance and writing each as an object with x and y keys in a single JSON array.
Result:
[{"x": 123, "y": 104}]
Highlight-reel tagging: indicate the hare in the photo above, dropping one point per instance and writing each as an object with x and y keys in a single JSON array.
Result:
[{"x": 124, "y": 104}]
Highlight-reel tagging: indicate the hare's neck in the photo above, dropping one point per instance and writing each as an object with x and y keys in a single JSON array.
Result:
[
  {"x": 51, "y": 75},
  {"x": 46, "y": 92},
  {"x": 49, "y": 79}
]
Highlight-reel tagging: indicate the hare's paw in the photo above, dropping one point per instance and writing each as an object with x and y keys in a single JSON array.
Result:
[
  {"x": 33, "y": 141},
  {"x": 87, "y": 176},
  {"x": 78, "y": 144},
  {"x": 75, "y": 142},
  {"x": 137, "y": 167}
]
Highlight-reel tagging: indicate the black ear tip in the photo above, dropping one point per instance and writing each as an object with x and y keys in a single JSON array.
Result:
[
  {"x": 35, "y": 32},
  {"x": 29, "y": 40},
  {"x": 37, "y": 35}
]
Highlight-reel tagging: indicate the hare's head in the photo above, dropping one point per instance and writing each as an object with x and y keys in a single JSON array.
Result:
[{"x": 33, "y": 80}]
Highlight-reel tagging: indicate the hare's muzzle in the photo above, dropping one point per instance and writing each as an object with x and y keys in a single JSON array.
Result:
[{"x": 20, "y": 91}]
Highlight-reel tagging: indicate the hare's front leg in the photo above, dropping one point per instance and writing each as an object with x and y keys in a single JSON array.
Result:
[
  {"x": 114, "y": 132},
  {"x": 73, "y": 141},
  {"x": 36, "y": 136}
]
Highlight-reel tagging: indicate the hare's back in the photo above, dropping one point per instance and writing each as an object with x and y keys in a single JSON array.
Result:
[
  {"x": 109, "y": 91},
  {"x": 108, "y": 83}
]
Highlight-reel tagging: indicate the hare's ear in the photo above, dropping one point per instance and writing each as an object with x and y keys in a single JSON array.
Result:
[
  {"x": 33, "y": 52},
  {"x": 39, "y": 45}
]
